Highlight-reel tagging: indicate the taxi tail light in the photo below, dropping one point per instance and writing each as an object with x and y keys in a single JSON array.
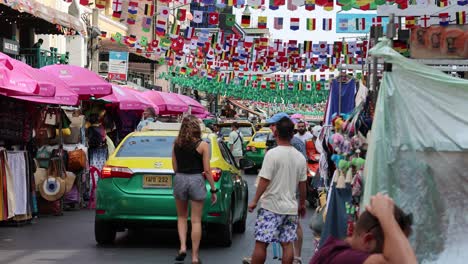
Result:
[
  {"x": 249, "y": 148},
  {"x": 216, "y": 173},
  {"x": 116, "y": 172}
]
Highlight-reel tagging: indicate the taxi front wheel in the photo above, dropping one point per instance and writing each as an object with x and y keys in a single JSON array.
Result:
[{"x": 104, "y": 233}]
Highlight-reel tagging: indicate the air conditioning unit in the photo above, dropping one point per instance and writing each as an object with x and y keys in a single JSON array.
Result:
[{"x": 103, "y": 66}]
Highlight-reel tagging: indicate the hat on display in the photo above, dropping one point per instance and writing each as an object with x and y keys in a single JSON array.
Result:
[
  {"x": 52, "y": 189},
  {"x": 276, "y": 118},
  {"x": 316, "y": 131}
]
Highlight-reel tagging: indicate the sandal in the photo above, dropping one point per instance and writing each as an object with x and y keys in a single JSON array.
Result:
[
  {"x": 197, "y": 262},
  {"x": 297, "y": 260},
  {"x": 181, "y": 256}
]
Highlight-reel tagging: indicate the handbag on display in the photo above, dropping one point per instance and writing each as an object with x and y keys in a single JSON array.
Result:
[
  {"x": 50, "y": 117},
  {"x": 76, "y": 160},
  {"x": 43, "y": 157},
  {"x": 69, "y": 181},
  {"x": 53, "y": 187}
]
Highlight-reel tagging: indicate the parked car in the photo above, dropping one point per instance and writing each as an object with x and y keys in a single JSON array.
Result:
[{"x": 135, "y": 189}]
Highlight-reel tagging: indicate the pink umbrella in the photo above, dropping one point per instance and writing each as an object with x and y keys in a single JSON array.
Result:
[
  {"x": 168, "y": 103},
  {"x": 83, "y": 81},
  {"x": 128, "y": 99},
  {"x": 196, "y": 107},
  {"x": 13, "y": 81},
  {"x": 46, "y": 86},
  {"x": 63, "y": 94}
]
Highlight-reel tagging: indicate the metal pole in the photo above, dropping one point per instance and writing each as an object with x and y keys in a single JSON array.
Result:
[{"x": 374, "y": 60}]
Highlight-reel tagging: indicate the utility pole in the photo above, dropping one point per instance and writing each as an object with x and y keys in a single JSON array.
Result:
[{"x": 94, "y": 41}]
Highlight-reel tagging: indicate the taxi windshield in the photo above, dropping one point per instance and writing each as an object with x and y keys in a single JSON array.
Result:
[
  {"x": 245, "y": 131},
  {"x": 147, "y": 146},
  {"x": 260, "y": 137}
]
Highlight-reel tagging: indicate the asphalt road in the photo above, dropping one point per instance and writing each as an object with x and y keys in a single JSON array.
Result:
[{"x": 70, "y": 239}]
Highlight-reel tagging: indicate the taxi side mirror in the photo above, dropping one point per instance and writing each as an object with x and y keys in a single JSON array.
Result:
[{"x": 246, "y": 164}]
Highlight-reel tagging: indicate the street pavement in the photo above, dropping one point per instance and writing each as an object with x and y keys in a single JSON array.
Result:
[{"x": 70, "y": 239}]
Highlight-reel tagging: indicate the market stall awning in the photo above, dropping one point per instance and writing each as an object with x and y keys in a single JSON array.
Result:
[
  {"x": 196, "y": 107},
  {"x": 168, "y": 103},
  {"x": 63, "y": 94},
  {"x": 32, "y": 12},
  {"x": 81, "y": 80},
  {"x": 128, "y": 99}
]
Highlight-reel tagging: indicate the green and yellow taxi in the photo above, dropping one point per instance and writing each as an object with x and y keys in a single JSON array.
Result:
[
  {"x": 256, "y": 148},
  {"x": 136, "y": 187},
  {"x": 245, "y": 128}
]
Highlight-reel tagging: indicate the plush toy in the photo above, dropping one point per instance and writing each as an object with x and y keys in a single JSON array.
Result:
[
  {"x": 336, "y": 158},
  {"x": 358, "y": 163},
  {"x": 346, "y": 147}
]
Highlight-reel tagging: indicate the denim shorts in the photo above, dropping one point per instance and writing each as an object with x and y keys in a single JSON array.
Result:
[
  {"x": 271, "y": 227},
  {"x": 189, "y": 187}
]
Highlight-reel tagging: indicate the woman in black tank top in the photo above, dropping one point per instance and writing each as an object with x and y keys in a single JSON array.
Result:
[{"x": 191, "y": 162}]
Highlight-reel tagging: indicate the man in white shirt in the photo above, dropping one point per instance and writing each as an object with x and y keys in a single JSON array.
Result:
[
  {"x": 302, "y": 132},
  {"x": 284, "y": 168},
  {"x": 236, "y": 142}
]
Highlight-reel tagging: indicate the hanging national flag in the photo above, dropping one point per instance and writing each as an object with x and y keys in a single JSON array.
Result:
[
  {"x": 213, "y": 18},
  {"x": 327, "y": 24},
  {"x": 360, "y": 24},
  {"x": 442, "y": 3},
  {"x": 175, "y": 30},
  {"x": 308, "y": 86},
  {"x": 161, "y": 27},
  {"x": 240, "y": 3},
  {"x": 291, "y": 5},
  {"x": 131, "y": 19},
  {"x": 278, "y": 23},
  {"x": 462, "y": 2},
  {"x": 163, "y": 12},
  {"x": 116, "y": 15},
  {"x": 101, "y": 4},
  {"x": 377, "y": 21},
  {"x": 117, "y": 5},
  {"x": 230, "y": 20},
  {"x": 132, "y": 7},
  {"x": 310, "y": 24},
  {"x": 189, "y": 32},
  {"x": 149, "y": 10},
  {"x": 273, "y": 5},
  {"x": 343, "y": 24},
  {"x": 254, "y": 3},
  {"x": 262, "y": 22},
  {"x": 461, "y": 17},
  {"x": 208, "y": 2},
  {"x": 291, "y": 86},
  {"x": 245, "y": 21},
  {"x": 197, "y": 17},
  {"x": 84, "y": 2},
  {"x": 146, "y": 24},
  {"x": 444, "y": 19},
  {"x": 181, "y": 14},
  {"x": 307, "y": 47},
  {"x": 294, "y": 23},
  {"x": 103, "y": 34},
  {"x": 410, "y": 21},
  {"x": 309, "y": 5}
]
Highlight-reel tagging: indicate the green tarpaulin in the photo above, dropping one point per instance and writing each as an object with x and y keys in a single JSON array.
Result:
[{"x": 418, "y": 154}]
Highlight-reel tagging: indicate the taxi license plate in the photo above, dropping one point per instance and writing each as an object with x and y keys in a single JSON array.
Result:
[{"x": 157, "y": 181}]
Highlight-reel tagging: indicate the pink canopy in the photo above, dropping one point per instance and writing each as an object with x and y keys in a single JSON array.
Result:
[
  {"x": 129, "y": 99},
  {"x": 13, "y": 81},
  {"x": 81, "y": 80},
  {"x": 168, "y": 103},
  {"x": 196, "y": 107},
  {"x": 63, "y": 94}
]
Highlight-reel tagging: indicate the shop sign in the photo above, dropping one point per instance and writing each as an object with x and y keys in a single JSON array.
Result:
[
  {"x": 439, "y": 42},
  {"x": 10, "y": 46},
  {"x": 118, "y": 66}
]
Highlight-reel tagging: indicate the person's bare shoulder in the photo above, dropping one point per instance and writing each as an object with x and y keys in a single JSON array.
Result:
[{"x": 376, "y": 259}]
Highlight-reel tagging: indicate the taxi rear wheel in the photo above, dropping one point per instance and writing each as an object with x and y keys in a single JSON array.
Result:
[
  {"x": 241, "y": 225},
  {"x": 104, "y": 233}
]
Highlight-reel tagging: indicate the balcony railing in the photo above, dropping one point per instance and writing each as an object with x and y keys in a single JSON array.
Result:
[{"x": 38, "y": 58}]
